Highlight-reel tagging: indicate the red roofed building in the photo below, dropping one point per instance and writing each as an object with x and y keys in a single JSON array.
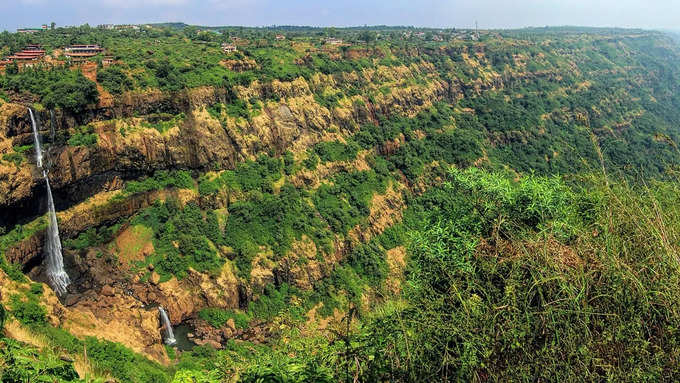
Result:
[{"x": 32, "y": 52}]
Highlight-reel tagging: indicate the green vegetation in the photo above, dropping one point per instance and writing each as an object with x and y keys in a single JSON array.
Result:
[
  {"x": 57, "y": 87},
  {"x": 28, "y": 311},
  {"x": 336, "y": 151},
  {"x": 344, "y": 202},
  {"x": 161, "y": 179},
  {"x": 250, "y": 176},
  {"x": 186, "y": 227},
  {"x": 237, "y": 108},
  {"x": 18, "y": 155},
  {"x": 218, "y": 317},
  {"x": 114, "y": 80},
  {"x": 22, "y": 363},
  {"x": 83, "y": 136},
  {"x": 163, "y": 121},
  {"x": 485, "y": 248},
  {"x": 122, "y": 363},
  {"x": 92, "y": 237}
]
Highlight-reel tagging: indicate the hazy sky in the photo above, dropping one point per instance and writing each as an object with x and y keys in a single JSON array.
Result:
[{"x": 435, "y": 13}]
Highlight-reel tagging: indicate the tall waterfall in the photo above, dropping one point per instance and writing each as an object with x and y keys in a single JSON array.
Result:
[
  {"x": 36, "y": 139},
  {"x": 55, "y": 261},
  {"x": 169, "y": 335}
]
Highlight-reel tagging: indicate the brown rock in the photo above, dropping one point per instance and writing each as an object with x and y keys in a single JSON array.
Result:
[
  {"x": 155, "y": 278},
  {"x": 227, "y": 333},
  {"x": 231, "y": 325},
  {"x": 108, "y": 291}
]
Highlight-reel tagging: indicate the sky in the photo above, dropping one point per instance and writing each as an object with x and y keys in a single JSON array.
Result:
[{"x": 649, "y": 14}]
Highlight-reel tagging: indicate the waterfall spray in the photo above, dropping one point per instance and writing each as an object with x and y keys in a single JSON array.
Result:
[
  {"x": 55, "y": 261},
  {"x": 169, "y": 335}
]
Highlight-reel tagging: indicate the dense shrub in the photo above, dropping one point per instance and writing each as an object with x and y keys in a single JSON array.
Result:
[
  {"x": 23, "y": 363},
  {"x": 181, "y": 239},
  {"x": 161, "y": 179},
  {"x": 336, "y": 151},
  {"x": 92, "y": 237},
  {"x": 72, "y": 93},
  {"x": 114, "y": 80},
  {"x": 83, "y": 136},
  {"x": 506, "y": 279},
  {"x": 369, "y": 261},
  {"x": 123, "y": 363},
  {"x": 218, "y": 317},
  {"x": 28, "y": 311},
  {"x": 272, "y": 302}
]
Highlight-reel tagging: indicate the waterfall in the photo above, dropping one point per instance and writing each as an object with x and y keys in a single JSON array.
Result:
[
  {"x": 36, "y": 139},
  {"x": 55, "y": 261},
  {"x": 169, "y": 336},
  {"x": 52, "y": 123}
]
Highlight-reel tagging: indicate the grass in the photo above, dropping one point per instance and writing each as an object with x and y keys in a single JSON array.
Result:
[{"x": 505, "y": 278}]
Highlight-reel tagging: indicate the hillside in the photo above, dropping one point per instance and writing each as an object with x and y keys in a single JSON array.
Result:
[{"x": 379, "y": 206}]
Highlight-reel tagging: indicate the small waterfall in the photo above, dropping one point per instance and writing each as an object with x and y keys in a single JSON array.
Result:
[
  {"x": 169, "y": 335},
  {"x": 52, "y": 123},
  {"x": 55, "y": 261}
]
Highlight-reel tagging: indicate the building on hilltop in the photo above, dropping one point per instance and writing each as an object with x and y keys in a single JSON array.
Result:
[
  {"x": 333, "y": 41},
  {"x": 82, "y": 51},
  {"x": 280, "y": 37},
  {"x": 32, "y": 52},
  {"x": 28, "y": 30},
  {"x": 127, "y": 26},
  {"x": 228, "y": 48}
]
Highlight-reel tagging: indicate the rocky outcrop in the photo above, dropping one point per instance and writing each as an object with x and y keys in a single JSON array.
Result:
[
  {"x": 182, "y": 299},
  {"x": 114, "y": 316},
  {"x": 25, "y": 251}
]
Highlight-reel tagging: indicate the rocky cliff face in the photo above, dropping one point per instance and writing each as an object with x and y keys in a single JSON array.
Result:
[
  {"x": 110, "y": 299},
  {"x": 126, "y": 149}
]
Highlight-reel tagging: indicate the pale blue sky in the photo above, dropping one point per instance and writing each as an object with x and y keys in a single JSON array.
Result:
[{"x": 435, "y": 13}]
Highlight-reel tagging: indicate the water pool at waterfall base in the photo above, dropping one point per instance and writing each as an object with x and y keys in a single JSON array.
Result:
[{"x": 182, "y": 340}]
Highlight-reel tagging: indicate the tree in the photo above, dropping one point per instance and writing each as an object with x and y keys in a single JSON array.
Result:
[
  {"x": 52, "y": 25},
  {"x": 12, "y": 69},
  {"x": 367, "y": 36},
  {"x": 71, "y": 93}
]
